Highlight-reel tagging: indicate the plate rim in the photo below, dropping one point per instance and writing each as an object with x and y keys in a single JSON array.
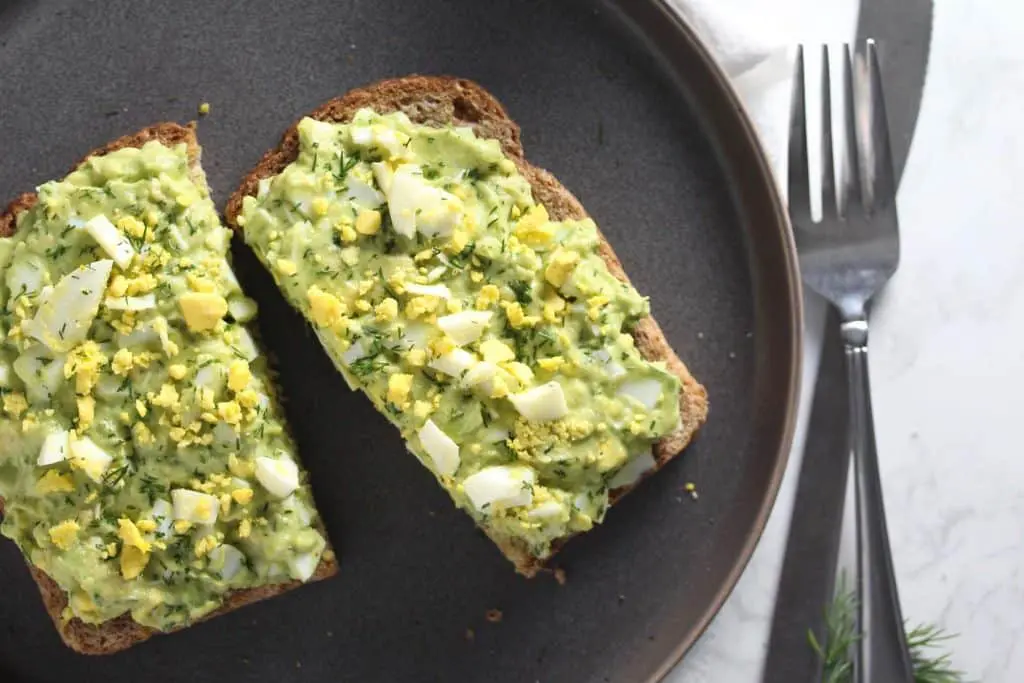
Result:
[{"x": 666, "y": 30}]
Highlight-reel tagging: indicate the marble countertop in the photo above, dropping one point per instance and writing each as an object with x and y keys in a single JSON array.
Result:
[{"x": 946, "y": 362}]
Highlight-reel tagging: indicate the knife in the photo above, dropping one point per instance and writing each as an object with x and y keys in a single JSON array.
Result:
[{"x": 807, "y": 581}]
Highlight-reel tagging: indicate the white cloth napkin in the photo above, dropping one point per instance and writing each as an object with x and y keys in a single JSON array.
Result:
[{"x": 756, "y": 54}]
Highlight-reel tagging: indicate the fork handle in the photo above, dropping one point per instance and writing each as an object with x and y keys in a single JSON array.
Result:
[{"x": 882, "y": 655}]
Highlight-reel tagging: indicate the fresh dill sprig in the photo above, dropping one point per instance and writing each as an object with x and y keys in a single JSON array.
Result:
[{"x": 932, "y": 664}]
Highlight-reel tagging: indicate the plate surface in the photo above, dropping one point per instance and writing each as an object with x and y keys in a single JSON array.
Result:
[{"x": 630, "y": 115}]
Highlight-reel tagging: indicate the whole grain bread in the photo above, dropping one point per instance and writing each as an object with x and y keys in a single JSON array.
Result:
[
  {"x": 444, "y": 101},
  {"x": 123, "y": 632}
]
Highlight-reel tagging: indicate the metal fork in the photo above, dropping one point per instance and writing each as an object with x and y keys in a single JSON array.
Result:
[{"x": 846, "y": 257}]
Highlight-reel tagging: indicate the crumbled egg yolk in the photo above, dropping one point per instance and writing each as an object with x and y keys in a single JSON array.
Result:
[
  {"x": 230, "y": 412},
  {"x": 422, "y": 409},
  {"x": 131, "y": 535},
  {"x": 319, "y": 206},
  {"x": 560, "y": 267},
  {"x": 399, "y": 386},
  {"x": 325, "y": 308},
  {"x": 368, "y": 222},
  {"x": 206, "y": 544},
  {"x": 122, "y": 362},
  {"x": 242, "y": 496},
  {"x": 533, "y": 227},
  {"x": 554, "y": 307},
  {"x": 516, "y": 317},
  {"x": 15, "y": 404},
  {"x": 84, "y": 363},
  {"x": 64, "y": 535},
  {"x": 202, "y": 310},
  {"x": 386, "y": 310},
  {"x": 286, "y": 267},
  {"x": 496, "y": 351},
  {"x": 551, "y": 364},
  {"x": 86, "y": 411},
  {"x": 521, "y": 371},
  {"x": 244, "y": 528},
  {"x": 347, "y": 231},
  {"x": 167, "y": 398},
  {"x": 419, "y": 306},
  {"x": 54, "y": 482},
  {"x": 239, "y": 375}
]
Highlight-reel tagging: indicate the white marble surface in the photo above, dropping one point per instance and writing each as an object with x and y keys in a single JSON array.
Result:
[{"x": 946, "y": 355}]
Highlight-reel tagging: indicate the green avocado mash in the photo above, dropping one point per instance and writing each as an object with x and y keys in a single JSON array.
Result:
[
  {"x": 145, "y": 465},
  {"x": 495, "y": 338}
]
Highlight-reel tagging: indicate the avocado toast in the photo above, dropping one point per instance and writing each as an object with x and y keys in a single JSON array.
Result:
[
  {"x": 470, "y": 296},
  {"x": 146, "y": 472}
]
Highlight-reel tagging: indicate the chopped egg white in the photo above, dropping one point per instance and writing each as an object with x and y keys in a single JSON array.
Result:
[
  {"x": 415, "y": 205},
  {"x": 635, "y": 467},
  {"x": 354, "y": 353},
  {"x": 383, "y": 174},
  {"x": 500, "y": 486},
  {"x": 90, "y": 458},
  {"x": 540, "y": 404},
  {"x": 443, "y": 451},
  {"x": 647, "y": 391},
  {"x": 297, "y": 508},
  {"x": 130, "y": 303},
  {"x": 612, "y": 368},
  {"x": 226, "y": 560},
  {"x": 194, "y": 506},
  {"x": 381, "y": 137},
  {"x": 242, "y": 308},
  {"x": 54, "y": 449},
  {"x": 25, "y": 276},
  {"x": 163, "y": 514},
  {"x": 302, "y": 566},
  {"x": 454, "y": 363},
  {"x": 415, "y": 335},
  {"x": 42, "y": 373},
  {"x": 465, "y": 327},
  {"x": 67, "y": 311},
  {"x": 362, "y": 193},
  {"x": 480, "y": 374},
  {"x": 440, "y": 291},
  {"x": 279, "y": 476},
  {"x": 245, "y": 345},
  {"x": 549, "y": 509},
  {"x": 495, "y": 434},
  {"x": 110, "y": 239}
]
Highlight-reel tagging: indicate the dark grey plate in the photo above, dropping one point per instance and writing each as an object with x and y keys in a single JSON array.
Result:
[{"x": 638, "y": 123}]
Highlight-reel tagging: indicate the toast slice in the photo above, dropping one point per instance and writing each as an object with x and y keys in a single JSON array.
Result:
[
  {"x": 122, "y": 632},
  {"x": 447, "y": 101}
]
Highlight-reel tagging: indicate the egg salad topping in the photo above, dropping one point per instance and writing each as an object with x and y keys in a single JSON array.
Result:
[
  {"x": 494, "y": 337},
  {"x": 145, "y": 466}
]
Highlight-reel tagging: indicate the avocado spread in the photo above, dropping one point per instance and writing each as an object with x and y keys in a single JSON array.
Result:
[
  {"x": 495, "y": 338},
  {"x": 145, "y": 466}
]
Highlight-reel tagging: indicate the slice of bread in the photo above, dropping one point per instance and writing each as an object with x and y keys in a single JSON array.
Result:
[
  {"x": 445, "y": 101},
  {"x": 123, "y": 632}
]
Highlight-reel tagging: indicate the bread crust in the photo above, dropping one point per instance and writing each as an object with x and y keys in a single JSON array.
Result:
[
  {"x": 442, "y": 101},
  {"x": 122, "y": 632}
]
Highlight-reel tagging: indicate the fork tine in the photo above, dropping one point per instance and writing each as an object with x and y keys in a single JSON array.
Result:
[
  {"x": 829, "y": 202},
  {"x": 799, "y": 171},
  {"x": 851, "y": 164},
  {"x": 881, "y": 177}
]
